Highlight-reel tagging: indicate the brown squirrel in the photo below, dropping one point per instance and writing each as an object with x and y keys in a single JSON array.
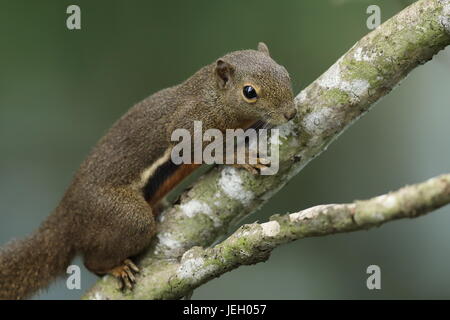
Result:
[{"x": 107, "y": 213}]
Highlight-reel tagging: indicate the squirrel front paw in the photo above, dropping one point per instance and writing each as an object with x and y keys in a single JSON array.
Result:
[
  {"x": 126, "y": 274},
  {"x": 253, "y": 168}
]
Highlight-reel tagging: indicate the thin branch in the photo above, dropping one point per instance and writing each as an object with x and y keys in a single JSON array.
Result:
[{"x": 346, "y": 91}]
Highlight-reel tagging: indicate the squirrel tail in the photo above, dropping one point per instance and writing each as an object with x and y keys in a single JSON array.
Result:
[{"x": 30, "y": 264}]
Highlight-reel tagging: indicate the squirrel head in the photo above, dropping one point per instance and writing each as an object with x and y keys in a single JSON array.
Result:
[{"x": 255, "y": 85}]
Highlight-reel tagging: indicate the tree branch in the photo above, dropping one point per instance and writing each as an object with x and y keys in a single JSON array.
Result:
[{"x": 223, "y": 196}]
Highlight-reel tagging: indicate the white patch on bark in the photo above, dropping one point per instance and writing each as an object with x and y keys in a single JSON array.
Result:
[
  {"x": 231, "y": 183},
  {"x": 300, "y": 98},
  {"x": 167, "y": 240},
  {"x": 356, "y": 87},
  {"x": 332, "y": 79},
  {"x": 248, "y": 233},
  {"x": 316, "y": 122},
  {"x": 444, "y": 19},
  {"x": 193, "y": 207},
  {"x": 309, "y": 213},
  {"x": 189, "y": 267},
  {"x": 388, "y": 201},
  {"x": 271, "y": 228},
  {"x": 359, "y": 55},
  {"x": 194, "y": 269}
]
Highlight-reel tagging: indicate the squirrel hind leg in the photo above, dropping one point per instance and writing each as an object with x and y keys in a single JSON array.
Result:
[
  {"x": 125, "y": 273},
  {"x": 108, "y": 247}
]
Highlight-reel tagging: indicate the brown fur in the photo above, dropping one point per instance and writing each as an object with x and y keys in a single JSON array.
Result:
[{"x": 103, "y": 215}]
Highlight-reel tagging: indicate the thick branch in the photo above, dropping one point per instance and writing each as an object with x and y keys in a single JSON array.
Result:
[{"x": 367, "y": 72}]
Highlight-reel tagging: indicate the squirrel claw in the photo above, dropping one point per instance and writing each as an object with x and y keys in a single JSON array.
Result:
[
  {"x": 131, "y": 265},
  {"x": 126, "y": 274},
  {"x": 254, "y": 168}
]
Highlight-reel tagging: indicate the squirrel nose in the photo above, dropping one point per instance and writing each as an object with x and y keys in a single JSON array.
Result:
[{"x": 290, "y": 114}]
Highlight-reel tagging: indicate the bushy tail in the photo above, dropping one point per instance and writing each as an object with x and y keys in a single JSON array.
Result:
[{"x": 29, "y": 265}]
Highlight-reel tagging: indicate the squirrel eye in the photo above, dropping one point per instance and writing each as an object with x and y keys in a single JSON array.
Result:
[{"x": 250, "y": 93}]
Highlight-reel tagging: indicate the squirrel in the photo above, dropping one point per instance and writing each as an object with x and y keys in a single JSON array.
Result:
[{"x": 107, "y": 214}]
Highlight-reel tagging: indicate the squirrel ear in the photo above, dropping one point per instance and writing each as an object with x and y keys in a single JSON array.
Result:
[
  {"x": 262, "y": 47},
  {"x": 224, "y": 72}
]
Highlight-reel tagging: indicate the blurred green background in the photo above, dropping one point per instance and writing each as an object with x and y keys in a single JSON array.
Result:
[{"x": 60, "y": 90}]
